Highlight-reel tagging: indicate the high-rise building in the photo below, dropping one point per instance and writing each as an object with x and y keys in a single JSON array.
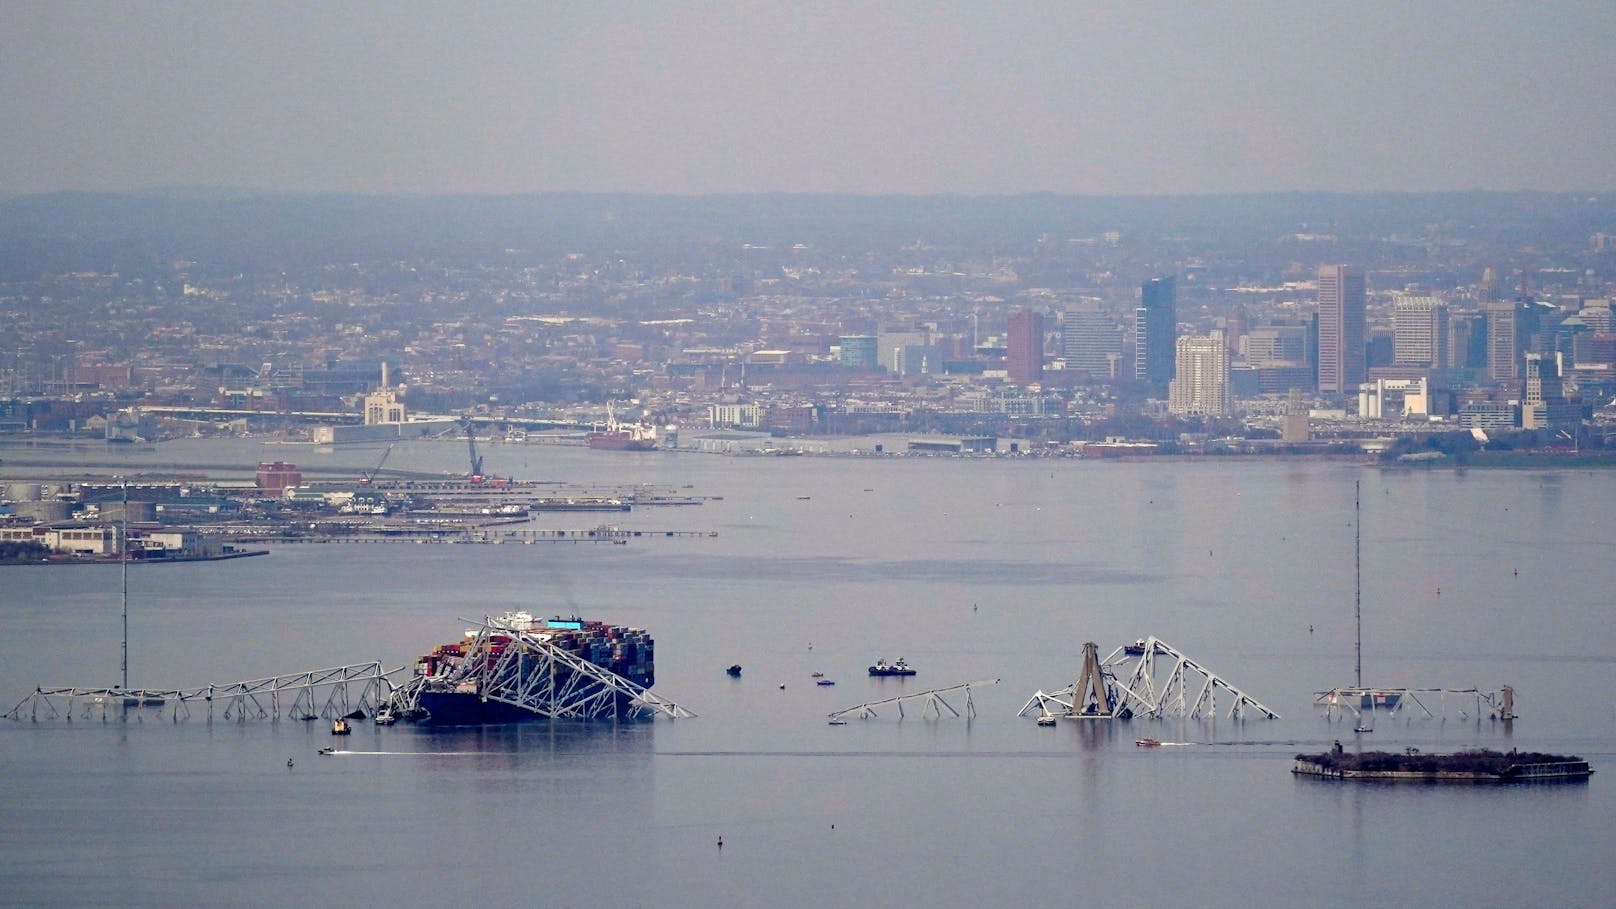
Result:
[
  {"x": 1544, "y": 405},
  {"x": 1342, "y": 356},
  {"x": 1201, "y": 385},
  {"x": 1420, "y": 332},
  {"x": 1277, "y": 345},
  {"x": 1090, "y": 339},
  {"x": 1155, "y": 331},
  {"x": 1467, "y": 340},
  {"x": 1507, "y": 333},
  {"x": 1024, "y": 357}
]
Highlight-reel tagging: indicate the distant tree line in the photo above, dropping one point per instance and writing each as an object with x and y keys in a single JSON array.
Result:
[{"x": 22, "y": 551}]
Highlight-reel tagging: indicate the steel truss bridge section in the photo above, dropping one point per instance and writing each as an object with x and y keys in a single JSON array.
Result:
[
  {"x": 932, "y": 702},
  {"x": 1367, "y": 703},
  {"x": 342, "y": 691},
  {"x": 525, "y": 670},
  {"x": 1153, "y": 682}
]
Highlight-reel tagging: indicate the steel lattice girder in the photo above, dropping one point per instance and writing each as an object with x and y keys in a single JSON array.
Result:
[
  {"x": 1142, "y": 694},
  {"x": 251, "y": 699},
  {"x": 531, "y": 673},
  {"x": 1142, "y": 691}
]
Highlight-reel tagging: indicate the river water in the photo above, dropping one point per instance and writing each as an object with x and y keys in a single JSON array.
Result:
[{"x": 972, "y": 570}]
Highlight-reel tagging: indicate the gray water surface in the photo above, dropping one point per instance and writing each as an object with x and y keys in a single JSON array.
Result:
[{"x": 970, "y": 569}]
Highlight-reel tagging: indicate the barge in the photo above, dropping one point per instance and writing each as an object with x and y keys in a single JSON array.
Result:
[{"x": 1479, "y": 766}]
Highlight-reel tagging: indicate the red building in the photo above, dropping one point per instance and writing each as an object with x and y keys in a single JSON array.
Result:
[
  {"x": 275, "y": 476},
  {"x": 1024, "y": 355}
]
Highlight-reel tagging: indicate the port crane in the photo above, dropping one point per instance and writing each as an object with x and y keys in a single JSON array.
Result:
[
  {"x": 476, "y": 475},
  {"x": 370, "y": 475}
]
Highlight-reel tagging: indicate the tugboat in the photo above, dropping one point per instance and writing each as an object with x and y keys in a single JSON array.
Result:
[
  {"x": 1137, "y": 648},
  {"x": 734, "y": 671},
  {"x": 882, "y": 667},
  {"x": 339, "y": 726}
]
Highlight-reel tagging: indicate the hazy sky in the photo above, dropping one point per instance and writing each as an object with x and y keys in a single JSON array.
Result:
[{"x": 665, "y": 97}]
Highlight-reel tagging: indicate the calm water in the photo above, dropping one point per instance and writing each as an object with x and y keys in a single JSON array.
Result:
[{"x": 971, "y": 571}]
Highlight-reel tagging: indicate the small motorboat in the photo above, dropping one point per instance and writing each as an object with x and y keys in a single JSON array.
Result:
[
  {"x": 386, "y": 718},
  {"x": 1362, "y": 728},
  {"x": 818, "y": 675},
  {"x": 838, "y": 722},
  {"x": 1148, "y": 743},
  {"x": 1047, "y": 719},
  {"x": 339, "y": 726},
  {"x": 825, "y": 682},
  {"x": 328, "y": 751},
  {"x": 734, "y": 671}
]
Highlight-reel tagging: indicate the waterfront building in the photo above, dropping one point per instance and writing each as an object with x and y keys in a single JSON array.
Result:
[
  {"x": 274, "y": 476},
  {"x": 1155, "y": 331},
  {"x": 1201, "y": 384},
  {"x": 1295, "y": 430},
  {"x": 383, "y": 406},
  {"x": 1342, "y": 356},
  {"x": 737, "y": 416},
  {"x": 1024, "y": 357}
]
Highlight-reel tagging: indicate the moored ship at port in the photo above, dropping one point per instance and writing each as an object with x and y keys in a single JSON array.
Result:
[
  {"x": 517, "y": 668},
  {"x": 621, "y": 436},
  {"x": 631, "y": 438}
]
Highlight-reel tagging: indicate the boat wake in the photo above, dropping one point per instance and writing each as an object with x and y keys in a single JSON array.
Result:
[{"x": 403, "y": 753}]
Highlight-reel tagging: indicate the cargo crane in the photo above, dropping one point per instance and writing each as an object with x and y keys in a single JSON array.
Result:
[
  {"x": 476, "y": 475},
  {"x": 370, "y": 475}
]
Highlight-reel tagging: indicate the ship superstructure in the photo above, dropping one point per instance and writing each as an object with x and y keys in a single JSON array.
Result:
[{"x": 621, "y": 436}]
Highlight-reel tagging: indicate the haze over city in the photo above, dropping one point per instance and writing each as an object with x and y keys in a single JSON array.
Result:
[{"x": 906, "y": 98}]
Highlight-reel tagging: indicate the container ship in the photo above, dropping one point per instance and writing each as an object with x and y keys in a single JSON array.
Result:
[{"x": 460, "y": 683}]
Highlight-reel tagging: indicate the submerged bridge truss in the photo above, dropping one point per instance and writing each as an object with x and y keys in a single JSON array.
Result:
[
  {"x": 1367, "y": 703},
  {"x": 341, "y": 691},
  {"x": 1153, "y": 681},
  {"x": 523, "y": 669},
  {"x": 932, "y": 702}
]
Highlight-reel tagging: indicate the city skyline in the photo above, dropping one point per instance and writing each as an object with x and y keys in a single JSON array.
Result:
[{"x": 1090, "y": 99}]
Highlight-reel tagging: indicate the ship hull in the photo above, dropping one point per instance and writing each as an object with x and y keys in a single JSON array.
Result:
[
  {"x": 450, "y": 708},
  {"x": 618, "y": 441},
  {"x": 453, "y": 708}
]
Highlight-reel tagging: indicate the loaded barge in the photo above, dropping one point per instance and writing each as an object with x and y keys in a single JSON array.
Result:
[{"x": 1479, "y": 766}]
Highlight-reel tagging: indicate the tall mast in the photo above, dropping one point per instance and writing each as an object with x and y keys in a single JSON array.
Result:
[
  {"x": 123, "y": 548},
  {"x": 1357, "y": 580}
]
